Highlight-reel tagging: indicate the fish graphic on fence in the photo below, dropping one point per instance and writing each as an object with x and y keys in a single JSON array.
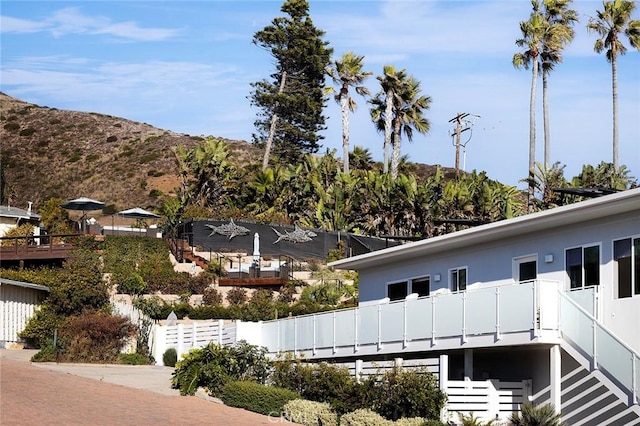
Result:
[
  {"x": 298, "y": 235},
  {"x": 229, "y": 230}
]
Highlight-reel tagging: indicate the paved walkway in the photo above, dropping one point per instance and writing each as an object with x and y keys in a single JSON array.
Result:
[{"x": 82, "y": 394}]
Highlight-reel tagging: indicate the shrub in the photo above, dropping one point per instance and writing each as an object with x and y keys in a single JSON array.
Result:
[
  {"x": 310, "y": 413},
  {"x": 112, "y": 139},
  {"x": 170, "y": 357},
  {"x": 237, "y": 296},
  {"x": 134, "y": 359},
  {"x": 28, "y": 131},
  {"x": 23, "y": 230},
  {"x": 541, "y": 415},
  {"x": 215, "y": 365},
  {"x": 408, "y": 393},
  {"x": 11, "y": 127},
  {"x": 45, "y": 354},
  {"x": 363, "y": 417},
  {"x": 94, "y": 337},
  {"x": 252, "y": 396},
  {"x": 211, "y": 296},
  {"x": 132, "y": 285}
]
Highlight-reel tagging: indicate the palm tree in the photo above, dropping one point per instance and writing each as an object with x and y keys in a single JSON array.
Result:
[
  {"x": 610, "y": 23},
  {"x": 382, "y": 113},
  {"x": 407, "y": 117},
  {"x": 347, "y": 72},
  {"x": 560, "y": 33},
  {"x": 533, "y": 32}
]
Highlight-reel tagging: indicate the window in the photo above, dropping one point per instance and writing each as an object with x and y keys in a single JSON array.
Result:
[
  {"x": 626, "y": 254},
  {"x": 458, "y": 279},
  {"x": 397, "y": 291},
  {"x": 525, "y": 268},
  {"x": 420, "y": 286},
  {"x": 583, "y": 266}
]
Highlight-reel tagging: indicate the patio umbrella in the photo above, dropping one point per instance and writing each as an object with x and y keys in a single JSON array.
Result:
[
  {"x": 138, "y": 213},
  {"x": 83, "y": 204}
]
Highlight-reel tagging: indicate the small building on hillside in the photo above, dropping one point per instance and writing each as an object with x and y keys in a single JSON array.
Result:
[
  {"x": 18, "y": 303},
  {"x": 12, "y": 217}
]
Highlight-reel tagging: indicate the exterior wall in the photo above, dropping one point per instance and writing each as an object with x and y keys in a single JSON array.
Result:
[
  {"x": 492, "y": 264},
  {"x": 17, "y": 306}
]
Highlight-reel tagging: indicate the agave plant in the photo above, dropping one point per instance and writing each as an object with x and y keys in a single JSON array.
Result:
[{"x": 542, "y": 415}]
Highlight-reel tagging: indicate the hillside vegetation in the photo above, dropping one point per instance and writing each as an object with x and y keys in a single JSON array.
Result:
[{"x": 48, "y": 153}]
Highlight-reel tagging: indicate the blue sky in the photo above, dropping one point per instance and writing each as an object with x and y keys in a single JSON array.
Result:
[{"x": 186, "y": 66}]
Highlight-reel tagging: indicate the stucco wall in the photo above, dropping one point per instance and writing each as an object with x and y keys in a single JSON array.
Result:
[{"x": 492, "y": 264}]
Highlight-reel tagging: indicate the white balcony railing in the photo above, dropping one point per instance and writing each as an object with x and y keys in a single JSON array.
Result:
[
  {"x": 600, "y": 346},
  {"x": 530, "y": 306}
]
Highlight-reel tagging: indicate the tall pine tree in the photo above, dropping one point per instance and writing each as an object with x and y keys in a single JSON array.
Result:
[{"x": 291, "y": 101}]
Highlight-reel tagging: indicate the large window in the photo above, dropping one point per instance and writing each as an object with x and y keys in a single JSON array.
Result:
[
  {"x": 583, "y": 266},
  {"x": 626, "y": 253},
  {"x": 397, "y": 291},
  {"x": 458, "y": 279}
]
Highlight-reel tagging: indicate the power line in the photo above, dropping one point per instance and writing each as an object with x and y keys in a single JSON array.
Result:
[{"x": 462, "y": 125}]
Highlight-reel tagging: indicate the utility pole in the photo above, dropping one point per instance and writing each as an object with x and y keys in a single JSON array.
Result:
[{"x": 460, "y": 121}]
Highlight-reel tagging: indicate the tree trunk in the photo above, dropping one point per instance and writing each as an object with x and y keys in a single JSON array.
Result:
[
  {"x": 545, "y": 115},
  {"x": 614, "y": 90},
  {"x": 532, "y": 135},
  {"x": 387, "y": 129},
  {"x": 395, "y": 156},
  {"x": 344, "y": 106},
  {"x": 272, "y": 128}
]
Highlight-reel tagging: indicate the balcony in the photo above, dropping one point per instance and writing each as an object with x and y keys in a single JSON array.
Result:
[{"x": 519, "y": 314}]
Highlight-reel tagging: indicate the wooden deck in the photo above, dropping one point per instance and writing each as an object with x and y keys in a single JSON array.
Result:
[{"x": 35, "y": 248}]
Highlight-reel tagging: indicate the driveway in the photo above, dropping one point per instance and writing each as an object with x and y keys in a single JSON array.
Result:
[{"x": 84, "y": 394}]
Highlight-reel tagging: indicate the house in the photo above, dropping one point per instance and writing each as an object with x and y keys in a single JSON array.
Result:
[
  {"x": 543, "y": 308},
  {"x": 18, "y": 303},
  {"x": 572, "y": 273},
  {"x": 11, "y": 217}
]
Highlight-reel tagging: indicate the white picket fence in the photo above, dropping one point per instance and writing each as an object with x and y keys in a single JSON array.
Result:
[{"x": 197, "y": 334}]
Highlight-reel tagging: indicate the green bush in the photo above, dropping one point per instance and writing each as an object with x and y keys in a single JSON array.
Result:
[
  {"x": 170, "y": 357},
  {"x": 134, "y": 359},
  {"x": 364, "y": 417},
  {"x": 213, "y": 366},
  {"x": 310, "y": 413},
  {"x": 45, "y": 354},
  {"x": 408, "y": 393},
  {"x": 252, "y": 396},
  {"x": 471, "y": 420}
]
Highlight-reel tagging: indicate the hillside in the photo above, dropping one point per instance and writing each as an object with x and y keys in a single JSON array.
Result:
[{"x": 46, "y": 152}]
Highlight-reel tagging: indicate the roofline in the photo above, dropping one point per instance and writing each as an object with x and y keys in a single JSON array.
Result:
[
  {"x": 4, "y": 281},
  {"x": 621, "y": 202}
]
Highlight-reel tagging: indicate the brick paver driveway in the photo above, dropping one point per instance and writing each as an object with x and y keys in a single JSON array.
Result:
[{"x": 31, "y": 395}]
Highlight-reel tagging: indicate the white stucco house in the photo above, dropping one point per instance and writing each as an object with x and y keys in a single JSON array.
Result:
[{"x": 544, "y": 308}]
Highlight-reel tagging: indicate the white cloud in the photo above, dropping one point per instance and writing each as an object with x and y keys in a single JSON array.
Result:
[
  {"x": 16, "y": 25},
  {"x": 70, "y": 20}
]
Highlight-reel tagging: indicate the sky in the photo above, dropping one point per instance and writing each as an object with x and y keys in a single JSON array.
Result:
[{"x": 186, "y": 66}]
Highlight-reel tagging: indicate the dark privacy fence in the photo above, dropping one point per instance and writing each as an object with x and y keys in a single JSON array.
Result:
[{"x": 299, "y": 243}]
